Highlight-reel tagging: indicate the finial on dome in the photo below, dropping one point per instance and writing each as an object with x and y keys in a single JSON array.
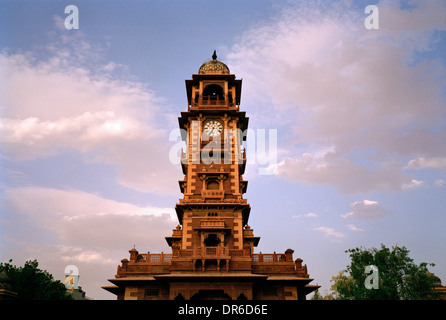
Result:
[{"x": 213, "y": 66}]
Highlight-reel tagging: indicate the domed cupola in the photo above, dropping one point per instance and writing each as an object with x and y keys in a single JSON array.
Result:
[{"x": 213, "y": 66}]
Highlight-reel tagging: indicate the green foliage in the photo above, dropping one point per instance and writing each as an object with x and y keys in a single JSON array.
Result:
[
  {"x": 343, "y": 287},
  {"x": 317, "y": 295},
  {"x": 399, "y": 277},
  {"x": 31, "y": 283}
]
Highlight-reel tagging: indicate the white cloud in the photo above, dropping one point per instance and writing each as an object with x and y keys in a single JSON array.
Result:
[
  {"x": 64, "y": 227},
  {"x": 310, "y": 215},
  {"x": 354, "y": 228},
  {"x": 432, "y": 162},
  {"x": 366, "y": 209},
  {"x": 414, "y": 184},
  {"x": 72, "y": 101},
  {"x": 87, "y": 257},
  {"x": 353, "y": 90},
  {"x": 330, "y": 233},
  {"x": 439, "y": 182},
  {"x": 347, "y": 175},
  {"x": 88, "y": 221},
  {"x": 306, "y": 215},
  {"x": 74, "y": 203}
]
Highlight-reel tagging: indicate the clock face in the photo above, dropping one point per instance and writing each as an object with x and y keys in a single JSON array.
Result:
[{"x": 213, "y": 128}]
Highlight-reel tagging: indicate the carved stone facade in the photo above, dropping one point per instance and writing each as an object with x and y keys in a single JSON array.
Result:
[{"x": 213, "y": 246}]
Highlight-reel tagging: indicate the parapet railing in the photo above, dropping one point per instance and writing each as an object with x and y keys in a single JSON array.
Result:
[
  {"x": 213, "y": 251},
  {"x": 269, "y": 257},
  {"x": 154, "y": 257}
]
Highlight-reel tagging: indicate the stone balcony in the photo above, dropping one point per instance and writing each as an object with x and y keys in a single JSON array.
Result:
[
  {"x": 223, "y": 257},
  {"x": 203, "y": 102}
]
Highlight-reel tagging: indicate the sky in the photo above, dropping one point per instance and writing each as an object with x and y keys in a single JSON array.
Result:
[{"x": 86, "y": 113}]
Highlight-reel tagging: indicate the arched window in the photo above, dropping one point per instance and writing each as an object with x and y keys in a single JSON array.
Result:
[
  {"x": 213, "y": 185},
  {"x": 213, "y": 92},
  {"x": 242, "y": 297},
  {"x": 179, "y": 297},
  {"x": 212, "y": 240}
]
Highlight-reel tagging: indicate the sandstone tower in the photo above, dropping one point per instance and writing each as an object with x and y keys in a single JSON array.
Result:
[{"x": 212, "y": 253}]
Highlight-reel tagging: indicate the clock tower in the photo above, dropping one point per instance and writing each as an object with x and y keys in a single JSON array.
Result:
[
  {"x": 213, "y": 213},
  {"x": 212, "y": 248}
]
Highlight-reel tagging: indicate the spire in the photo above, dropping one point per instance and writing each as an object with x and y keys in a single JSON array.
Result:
[{"x": 214, "y": 56}]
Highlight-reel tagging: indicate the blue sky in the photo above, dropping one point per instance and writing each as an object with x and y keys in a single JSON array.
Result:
[{"x": 86, "y": 114}]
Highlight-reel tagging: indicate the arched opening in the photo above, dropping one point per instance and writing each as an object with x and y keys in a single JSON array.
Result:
[
  {"x": 212, "y": 240},
  {"x": 198, "y": 264},
  {"x": 179, "y": 297},
  {"x": 211, "y": 265},
  {"x": 213, "y": 185},
  {"x": 223, "y": 265},
  {"x": 242, "y": 297},
  {"x": 213, "y": 92}
]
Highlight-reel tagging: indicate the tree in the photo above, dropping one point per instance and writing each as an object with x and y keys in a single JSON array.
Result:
[
  {"x": 318, "y": 296},
  {"x": 31, "y": 283},
  {"x": 399, "y": 278}
]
